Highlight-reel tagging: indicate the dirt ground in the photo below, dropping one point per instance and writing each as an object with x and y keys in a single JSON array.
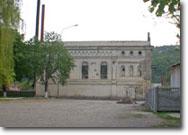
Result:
[{"x": 39, "y": 112}]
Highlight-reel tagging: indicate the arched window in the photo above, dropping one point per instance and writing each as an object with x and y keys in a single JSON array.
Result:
[
  {"x": 122, "y": 71},
  {"x": 139, "y": 70},
  {"x": 104, "y": 70},
  {"x": 85, "y": 70},
  {"x": 131, "y": 70}
]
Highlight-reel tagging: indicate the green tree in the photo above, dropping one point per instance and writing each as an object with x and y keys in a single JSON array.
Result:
[
  {"x": 28, "y": 57},
  {"x": 58, "y": 61},
  {"x": 162, "y": 59},
  {"x": 168, "y": 8},
  {"x": 9, "y": 20},
  {"x": 47, "y": 60}
]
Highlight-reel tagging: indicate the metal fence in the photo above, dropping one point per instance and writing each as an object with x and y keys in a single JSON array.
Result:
[{"x": 164, "y": 99}]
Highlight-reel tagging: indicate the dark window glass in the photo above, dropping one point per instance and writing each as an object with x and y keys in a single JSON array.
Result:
[
  {"x": 139, "y": 71},
  {"x": 131, "y": 52},
  {"x": 123, "y": 52},
  {"x": 104, "y": 70},
  {"x": 85, "y": 70},
  {"x": 122, "y": 72},
  {"x": 140, "y": 53}
]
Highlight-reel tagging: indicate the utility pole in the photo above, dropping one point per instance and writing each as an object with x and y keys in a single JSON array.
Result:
[
  {"x": 37, "y": 20},
  {"x": 36, "y": 37},
  {"x": 42, "y": 39},
  {"x": 42, "y": 23}
]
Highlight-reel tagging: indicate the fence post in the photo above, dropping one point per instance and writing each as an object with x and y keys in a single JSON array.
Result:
[{"x": 155, "y": 99}]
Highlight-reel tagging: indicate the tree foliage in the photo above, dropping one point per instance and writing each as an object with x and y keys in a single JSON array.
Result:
[
  {"x": 58, "y": 62},
  {"x": 162, "y": 58},
  {"x": 28, "y": 57},
  {"x": 10, "y": 13},
  {"x": 171, "y": 8},
  {"x": 9, "y": 20},
  {"x": 32, "y": 58}
]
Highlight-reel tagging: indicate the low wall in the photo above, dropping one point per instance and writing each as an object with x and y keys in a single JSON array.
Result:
[{"x": 98, "y": 89}]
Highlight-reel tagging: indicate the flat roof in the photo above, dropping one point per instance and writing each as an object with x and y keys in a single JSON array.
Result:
[
  {"x": 107, "y": 43},
  {"x": 175, "y": 65}
]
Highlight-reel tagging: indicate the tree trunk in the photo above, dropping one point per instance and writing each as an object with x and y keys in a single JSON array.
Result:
[
  {"x": 34, "y": 81},
  {"x": 46, "y": 86},
  {"x": 4, "y": 91}
]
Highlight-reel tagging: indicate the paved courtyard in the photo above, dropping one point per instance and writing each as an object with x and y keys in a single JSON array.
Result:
[{"x": 73, "y": 113}]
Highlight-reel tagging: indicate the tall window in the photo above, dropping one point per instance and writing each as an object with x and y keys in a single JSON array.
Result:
[
  {"x": 131, "y": 70},
  {"x": 139, "y": 71},
  {"x": 104, "y": 70},
  {"x": 84, "y": 70},
  {"x": 122, "y": 71}
]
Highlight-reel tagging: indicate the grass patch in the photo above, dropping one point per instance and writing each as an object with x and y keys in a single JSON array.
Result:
[
  {"x": 169, "y": 121},
  {"x": 4, "y": 99}
]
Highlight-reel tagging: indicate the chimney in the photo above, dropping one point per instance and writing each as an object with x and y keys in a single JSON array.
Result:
[
  {"x": 42, "y": 23},
  {"x": 149, "y": 39},
  {"x": 37, "y": 20}
]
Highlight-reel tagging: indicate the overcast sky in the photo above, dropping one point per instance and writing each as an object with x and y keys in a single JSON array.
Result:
[{"x": 100, "y": 20}]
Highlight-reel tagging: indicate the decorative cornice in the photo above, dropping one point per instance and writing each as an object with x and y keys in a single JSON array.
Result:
[{"x": 106, "y": 43}]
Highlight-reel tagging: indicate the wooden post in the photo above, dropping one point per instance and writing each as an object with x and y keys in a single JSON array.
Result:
[{"x": 156, "y": 99}]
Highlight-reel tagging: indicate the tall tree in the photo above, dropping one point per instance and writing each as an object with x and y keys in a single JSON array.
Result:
[
  {"x": 28, "y": 58},
  {"x": 58, "y": 61},
  {"x": 33, "y": 58},
  {"x": 9, "y": 20}
]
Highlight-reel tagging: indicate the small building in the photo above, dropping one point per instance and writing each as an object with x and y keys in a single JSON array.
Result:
[{"x": 175, "y": 76}]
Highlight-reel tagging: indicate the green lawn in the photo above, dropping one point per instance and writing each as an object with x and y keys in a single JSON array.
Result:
[{"x": 169, "y": 121}]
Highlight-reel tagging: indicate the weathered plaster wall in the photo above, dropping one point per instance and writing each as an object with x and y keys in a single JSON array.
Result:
[{"x": 116, "y": 54}]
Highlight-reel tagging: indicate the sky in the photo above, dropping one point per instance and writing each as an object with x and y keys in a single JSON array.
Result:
[{"x": 100, "y": 20}]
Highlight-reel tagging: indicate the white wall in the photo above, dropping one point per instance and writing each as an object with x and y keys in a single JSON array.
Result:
[{"x": 175, "y": 77}]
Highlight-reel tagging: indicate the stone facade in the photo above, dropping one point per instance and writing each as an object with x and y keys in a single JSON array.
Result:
[{"x": 106, "y": 69}]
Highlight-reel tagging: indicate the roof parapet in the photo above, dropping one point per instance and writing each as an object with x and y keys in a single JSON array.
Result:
[{"x": 107, "y": 43}]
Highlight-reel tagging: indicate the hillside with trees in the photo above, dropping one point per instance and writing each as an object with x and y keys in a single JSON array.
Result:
[{"x": 162, "y": 58}]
